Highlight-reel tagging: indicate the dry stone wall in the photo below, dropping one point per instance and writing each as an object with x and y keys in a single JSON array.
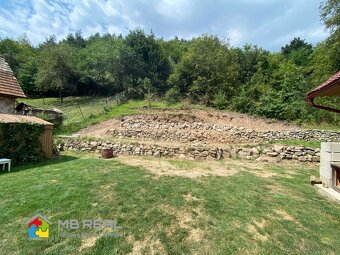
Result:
[
  {"x": 298, "y": 153},
  {"x": 216, "y": 133}
]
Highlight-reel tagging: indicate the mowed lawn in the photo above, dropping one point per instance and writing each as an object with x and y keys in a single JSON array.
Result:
[{"x": 274, "y": 212}]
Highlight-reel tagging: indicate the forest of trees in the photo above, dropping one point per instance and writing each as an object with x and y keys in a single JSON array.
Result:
[{"x": 203, "y": 70}]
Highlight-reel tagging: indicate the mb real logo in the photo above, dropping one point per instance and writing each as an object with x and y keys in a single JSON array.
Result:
[
  {"x": 88, "y": 224},
  {"x": 39, "y": 228}
]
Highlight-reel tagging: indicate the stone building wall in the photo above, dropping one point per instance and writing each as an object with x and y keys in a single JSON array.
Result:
[{"x": 7, "y": 105}]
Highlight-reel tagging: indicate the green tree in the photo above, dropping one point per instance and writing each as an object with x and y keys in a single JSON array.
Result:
[
  {"x": 297, "y": 51},
  {"x": 249, "y": 95},
  {"x": 148, "y": 91},
  {"x": 56, "y": 69},
  {"x": 99, "y": 64},
  {"x": 330, "y": 14},
  {"x": 286, "y": 99},
  {"x": 325, "y": 60},
  {"x": 75, "y": 40},
  {"x": 248, "y": 58},
  {"x": 174, "y": 49},
  {"x": 172, "y": 96},
  {"x": 26, "y": 75},
  {"x": 149, "y": 60},
  {"x": 21, "y": 57},
  {"x": 296, "y": 44},
  {"x": 50, "y": 41},
  {"x": 207, "y": 67},
  {"x": 220, "y": 100},
  {"x": 10, "y": 50}
]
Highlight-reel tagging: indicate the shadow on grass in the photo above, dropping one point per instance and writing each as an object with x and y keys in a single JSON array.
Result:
[{"x": 47, "y": 162}]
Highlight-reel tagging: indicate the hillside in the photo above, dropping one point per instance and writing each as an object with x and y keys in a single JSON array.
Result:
[{"x": 81, "y": 113}]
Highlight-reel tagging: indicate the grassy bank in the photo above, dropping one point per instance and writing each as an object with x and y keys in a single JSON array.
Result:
[
  {"x": 80, "y": 112},
  {"x": 288, "y": 142}
]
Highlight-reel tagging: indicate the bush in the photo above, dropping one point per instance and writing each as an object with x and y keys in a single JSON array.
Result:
[
  {"x": 172, "y": 96},
  {"x": 243, "y": 104},
  {"x": 220, "y": 101},
  {"x": 106, "y": 109},
  {"x": 20, "y": 142},
  {"x": 121, "y": 98}
]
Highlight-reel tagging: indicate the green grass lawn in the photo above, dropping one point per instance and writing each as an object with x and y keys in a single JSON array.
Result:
[
  {"x": 89, "y": 106},
  {"x": 244, "y": 213},
  {"x": 290, "y": 142}
]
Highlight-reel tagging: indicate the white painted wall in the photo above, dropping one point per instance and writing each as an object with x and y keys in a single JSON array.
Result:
[{"x": 330, "y": 153}]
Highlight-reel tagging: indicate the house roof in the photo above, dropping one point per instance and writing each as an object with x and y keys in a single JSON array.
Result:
[
  {"x": 330, "y": 88},
  {"x": 10, "y": 118},
  {"x": 9, "y": 85}
]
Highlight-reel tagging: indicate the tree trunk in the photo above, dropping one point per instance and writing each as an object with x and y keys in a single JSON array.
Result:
[{"x": 60, "y": 96}]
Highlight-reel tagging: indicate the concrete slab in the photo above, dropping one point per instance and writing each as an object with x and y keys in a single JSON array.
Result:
[
  {"x": 330, "y": 193},
  {"x": 330, "y": 153},
  {"x": 330, "y": 146}
]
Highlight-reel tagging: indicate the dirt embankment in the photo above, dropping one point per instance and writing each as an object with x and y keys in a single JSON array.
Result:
[{"x": 185, "y": 120}]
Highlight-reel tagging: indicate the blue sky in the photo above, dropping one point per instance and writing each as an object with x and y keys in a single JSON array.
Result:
[{"x": 266, "y": 23}]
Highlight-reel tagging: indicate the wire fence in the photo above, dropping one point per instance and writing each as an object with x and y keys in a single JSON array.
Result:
[{"x": 79, "y": 110}]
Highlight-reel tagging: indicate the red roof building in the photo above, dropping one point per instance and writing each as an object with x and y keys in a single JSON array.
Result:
[
  {"x": 329, "y": 88},
  {"x": 10, "y": 89}
]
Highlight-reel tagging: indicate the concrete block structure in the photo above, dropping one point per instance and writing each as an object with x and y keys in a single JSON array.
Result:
[{"x": 329, "y": 160}]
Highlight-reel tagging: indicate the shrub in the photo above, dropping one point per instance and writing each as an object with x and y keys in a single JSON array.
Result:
[
  {"x": 220, "y": 101},
  {"x": 20, "y": 142},
  {"x": 106, "y": 109},
  {"x": 172, "y": 96},
  {"x": 121, "y": 98}
]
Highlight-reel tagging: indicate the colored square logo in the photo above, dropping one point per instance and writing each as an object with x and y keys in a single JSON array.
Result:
[{"x": 38, "y": 227}]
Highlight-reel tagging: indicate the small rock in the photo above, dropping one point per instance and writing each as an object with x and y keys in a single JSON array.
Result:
[
  {"x": 272, "y": 154},
  {"x": 278, "y": 148}
]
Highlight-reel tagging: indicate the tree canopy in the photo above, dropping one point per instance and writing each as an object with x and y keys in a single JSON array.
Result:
[{"x": 204, "y": 70}]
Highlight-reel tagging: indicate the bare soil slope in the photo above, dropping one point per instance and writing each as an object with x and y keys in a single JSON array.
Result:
[{"x": 148, "y": 119}]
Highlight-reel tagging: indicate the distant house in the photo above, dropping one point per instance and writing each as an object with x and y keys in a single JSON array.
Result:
[{"x": 10, "y": 89}]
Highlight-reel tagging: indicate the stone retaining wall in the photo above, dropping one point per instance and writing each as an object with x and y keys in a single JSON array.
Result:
[
  {"x": 279, "y": 152},
  {"x": 185, "y": 136}
]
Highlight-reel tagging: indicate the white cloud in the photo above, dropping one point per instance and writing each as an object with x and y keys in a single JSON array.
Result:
[
  {"x": 267, "y": 23},
  {"x": 235, "y": 35},
  {"x": 174, "y": 8},
  {"x": 317, "y": 34}
]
